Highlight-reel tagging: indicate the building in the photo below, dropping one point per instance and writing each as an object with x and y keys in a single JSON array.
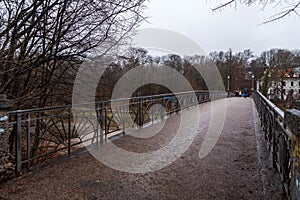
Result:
[
  {"x": 284, "y": 86},
  {"x": 280, "y": 85}
]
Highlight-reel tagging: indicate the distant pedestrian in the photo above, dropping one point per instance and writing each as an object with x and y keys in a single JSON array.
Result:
[
  {"x": 245, "y": 92},
  {"x": 237, "y": 91}
]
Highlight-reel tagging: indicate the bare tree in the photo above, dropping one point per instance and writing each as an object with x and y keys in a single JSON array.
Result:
[
  {"x": 174, "y": 61},
  {"x": 43, "y": 42},
  {"x": 232, "y": 65},
  {"x": 288, "y": 7}
]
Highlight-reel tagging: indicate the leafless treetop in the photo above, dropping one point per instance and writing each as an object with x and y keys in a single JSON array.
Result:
[{"x": 287, "y": 6}]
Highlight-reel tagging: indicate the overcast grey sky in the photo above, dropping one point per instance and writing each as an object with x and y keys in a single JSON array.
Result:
[{"x": 236, "y": 28}]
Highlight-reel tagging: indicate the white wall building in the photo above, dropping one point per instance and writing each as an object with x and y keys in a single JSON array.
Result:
[
  {"x": 284, "y": 85},
  {"x": 289, "y": 83}
]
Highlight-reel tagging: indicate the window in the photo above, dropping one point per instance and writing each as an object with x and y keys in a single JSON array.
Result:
[
  {"x": 283, "y": 91},
  {"x": 292, "y": 83},
  {"x": 283, "y": 83}
]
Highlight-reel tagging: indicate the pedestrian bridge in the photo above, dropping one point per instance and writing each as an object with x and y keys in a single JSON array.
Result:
[{"x": 182, "y": 146}]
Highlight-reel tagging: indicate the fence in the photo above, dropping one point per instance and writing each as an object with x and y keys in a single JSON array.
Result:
[
  {"x": 40, "y": 134},
  {"x": 278, "y": 137}
]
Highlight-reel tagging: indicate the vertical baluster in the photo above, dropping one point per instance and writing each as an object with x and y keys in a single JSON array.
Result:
[
  {"x": 152, "y": 111},
  {"x": 162, "y": 110},
  {"x": 102, "y": 123},
  {"x": 18, "y": 143},
  {"x": 97, "y": 125},
  {"x": 123, "y": 115},
  {"x": 140, "y": 113},
  {"x": 28, "y": 140},
  {"x": 69, "y": 130},
  {"x": 105, "y": 122}
]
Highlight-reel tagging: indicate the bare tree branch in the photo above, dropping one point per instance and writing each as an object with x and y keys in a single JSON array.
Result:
[
  {"x": 283, "y": 13},
  {"x": 223, "y": 5},
  {"x": 293, "y": 6}
]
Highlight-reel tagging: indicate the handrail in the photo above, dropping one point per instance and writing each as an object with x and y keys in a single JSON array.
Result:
[
  {"x": 113, "y": 100},
  {"x": 278, "y": 138},
  {"x": 272, "y": 105}
]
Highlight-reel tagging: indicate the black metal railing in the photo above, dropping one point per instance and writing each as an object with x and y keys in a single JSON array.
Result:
[
  {"x": 278, "y": 138},
  {"x": 44, "y": 133}
]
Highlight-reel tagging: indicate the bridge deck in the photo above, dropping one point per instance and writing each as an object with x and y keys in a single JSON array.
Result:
[{"x": 238, "y": 167}]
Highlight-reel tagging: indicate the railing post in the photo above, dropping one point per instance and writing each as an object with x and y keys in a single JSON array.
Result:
[
  {"x": 28, "y": 140},
  {"x": 102, "y": 123},
  {"x": 69, "y": 131},
  {"x": 123, "y": 111},
  {"x": 18, "y": 144},
  {"x": 152, "y": 113},
  {"x": 96, "y": 126},
  {"x": 140, "y": 112},
  {"x": 177, "y": 105},
  {"x": 162, "y": 110}
]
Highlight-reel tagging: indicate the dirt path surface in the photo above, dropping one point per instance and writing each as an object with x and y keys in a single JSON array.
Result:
[{"x": 238, "y": 167}]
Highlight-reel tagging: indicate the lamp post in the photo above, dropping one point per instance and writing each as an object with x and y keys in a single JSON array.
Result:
[
  {"x": 252, "y": 83},
  {"x": 228, "y": 77}
]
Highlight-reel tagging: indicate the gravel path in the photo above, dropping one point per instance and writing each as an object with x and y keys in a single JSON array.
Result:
[{"x": 238, "y": 167}]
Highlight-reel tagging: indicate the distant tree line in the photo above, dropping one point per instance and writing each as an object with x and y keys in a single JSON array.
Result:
[{"x": 238, "y": 66}]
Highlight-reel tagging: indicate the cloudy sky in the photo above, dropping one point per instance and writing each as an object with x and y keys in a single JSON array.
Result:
[{"x": 237, "y": 28}]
